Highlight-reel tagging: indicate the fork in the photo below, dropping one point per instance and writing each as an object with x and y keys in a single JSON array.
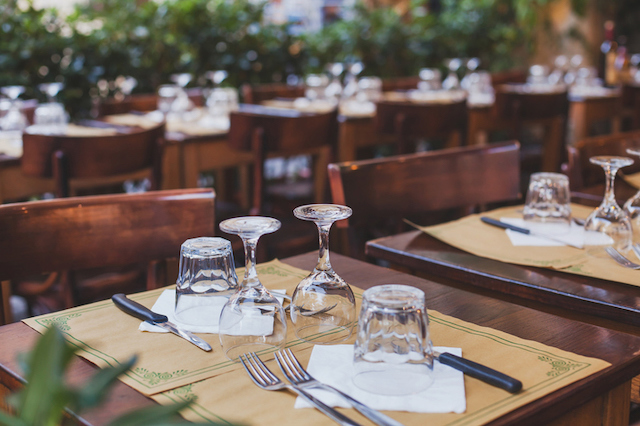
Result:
[
  {"x": 636, "y": 249},
  {"x": 265, "y": 379},
  {"x": 621, "y": 259},
  {"x": 299, "y": 378}
]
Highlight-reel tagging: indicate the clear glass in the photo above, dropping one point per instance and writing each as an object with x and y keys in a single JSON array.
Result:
[
  {"x": 323, "y": 308},
  {"x": 430, "y": 79},
  {"x": 51, "y": 117},
  {"x": 334, "y": 89},
  {"x": 393, "y": 354},
  {"x": 253, "y": 320},
  {"x": 167, "y": 95},
  {"x": 632, "y": 206},
  {"x": 206, "y": 280},
  {"x": 609, "y": 218},
  {"x": 548, "y": 201},
  {"x": 14, "y": 119},
  {"x": 452, "y": 82}
]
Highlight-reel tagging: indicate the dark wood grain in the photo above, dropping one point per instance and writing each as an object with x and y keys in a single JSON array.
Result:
[{"x": 620, "y": 349}]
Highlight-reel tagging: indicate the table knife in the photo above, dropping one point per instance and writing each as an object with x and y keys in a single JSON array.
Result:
[
  {"x": 480, "y": 372},
  {"x": 141, "y": 312},
  {"x": 505, "y": 225}
]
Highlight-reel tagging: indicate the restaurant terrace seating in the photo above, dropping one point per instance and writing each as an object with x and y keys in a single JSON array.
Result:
[
  {"x": 383, "y": 192},
  {"x": 101, "y": 231},
  {"x": 256, "y": 94},
  {"x": 80, "y": 162}
]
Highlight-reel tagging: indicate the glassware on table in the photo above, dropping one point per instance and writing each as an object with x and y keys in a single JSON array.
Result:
[
  {"x": 429, "y": 79},
  {"x": 316, "y": 85},
  {"x": 538, "y": 76},
  {"x": 323, "y": 308},
  {"x": 472, "y": 65},
  {"x": 632, "y": 206},
  {"x": 393, "y": 354},
  {"x": 206, "y": 280},
  {"x": 167, "y": 95},
  {"x": 216, "y": 76},
  {"x": 452, "y": 82},
  {"x": 253, "y": 320},
  {"x": 51, "y": 117},
  {"x": 334, "y": 89},
  {"x": 351, "y": 88},
  {"x": 14, "y": 119},
  {"x": 548, "y": 202},
  {"x": 609, "y": 218}
]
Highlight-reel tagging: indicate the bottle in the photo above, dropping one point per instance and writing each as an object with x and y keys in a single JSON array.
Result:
[
  {"x": 621, "y": 62},
  {"x": 608, "y": 49}
]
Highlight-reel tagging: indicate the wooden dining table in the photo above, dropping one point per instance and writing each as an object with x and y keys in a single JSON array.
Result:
[{"x": 600, "y": 398}]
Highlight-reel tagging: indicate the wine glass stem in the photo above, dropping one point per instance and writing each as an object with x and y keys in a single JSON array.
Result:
[
  {"x": 324, "y": 264},
  {"x": 609, "y": 196},
  {"x": 250, "y": 273}
]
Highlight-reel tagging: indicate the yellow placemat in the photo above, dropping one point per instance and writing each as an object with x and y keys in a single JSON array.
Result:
[
  {"x": 107, "y": 336},
  {"x": 632, "y": 179},
  {"x": 473, "y": 236},
  {"x": 131, "y": 120},
  {"x": 541, "y": 369}
]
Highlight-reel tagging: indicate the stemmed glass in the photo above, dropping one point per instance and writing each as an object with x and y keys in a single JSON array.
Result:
[
  {"x": 14, "y": 119},
  {"x": 351, "y": 80},
  {"x": 632, "y": 206},
  {"x": 182, "y": 103},
  {"x": 51, "y": 116},
  {"x": 334, "y": 89},
  {"x": 452, "y": 82},
  {"x": 609, "y": 218},
  {"x": 253, "y": 320},
  {"x": 323, "y": 307}
]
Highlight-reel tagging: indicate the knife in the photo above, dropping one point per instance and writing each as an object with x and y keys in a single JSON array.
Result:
[
  {"x": 141, "y": 312},
  {"x": 505, "y": 225},
  {"x": 480, "y": 372}
]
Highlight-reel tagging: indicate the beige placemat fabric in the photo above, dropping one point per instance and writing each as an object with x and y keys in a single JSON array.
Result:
[
  {"x": 193, "y": 129},
  {"x": 232, "y": 397},
  {"x": 133, "y": 120},
  {"x": 473, "y": 236},
  {"x": 79, "y": 131},
  {"x": 632, "y": 179},
  {"x": 108, "y": 336},
  {"x": 11, "y": 146}
]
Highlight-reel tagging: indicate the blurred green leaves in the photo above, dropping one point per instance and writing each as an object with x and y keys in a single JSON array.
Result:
[{"x": 46, "y": 395}]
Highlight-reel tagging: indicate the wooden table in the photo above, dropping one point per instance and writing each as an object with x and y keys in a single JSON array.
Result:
[{"x": 602, "y": 398}]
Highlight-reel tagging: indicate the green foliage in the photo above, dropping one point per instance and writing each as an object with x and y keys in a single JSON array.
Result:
[
  {"x": 151, "y": 40},
  {"x": 46, "y": 396}
]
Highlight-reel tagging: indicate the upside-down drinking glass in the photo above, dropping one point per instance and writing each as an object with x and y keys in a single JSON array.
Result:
[
  {"x": 323, "y": 308},
  {"x": 609, "y": 218},
  {"x": 253, "y": 320}
]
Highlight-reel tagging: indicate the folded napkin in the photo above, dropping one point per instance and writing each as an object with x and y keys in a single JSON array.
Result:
[
  {"x": 574, "y": 234},
  {"x": 11, "y": 143},
  {"x": 165, "y": 305},
  {"x": 333, "y": 365}
]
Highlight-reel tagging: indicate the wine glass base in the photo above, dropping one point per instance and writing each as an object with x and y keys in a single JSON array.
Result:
[
  {"x": 263, "y": 350},
  {"x": 324, "y": 334}
]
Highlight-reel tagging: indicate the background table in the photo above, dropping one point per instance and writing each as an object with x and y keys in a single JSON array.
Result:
[{"x": 602, "y": 398}]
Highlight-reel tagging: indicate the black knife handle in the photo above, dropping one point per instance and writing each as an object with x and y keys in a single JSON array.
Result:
[
  {"x": 504, "y": 225},
  {"x": 137, "y": 310},
  {"x": 481, "y": 372}
]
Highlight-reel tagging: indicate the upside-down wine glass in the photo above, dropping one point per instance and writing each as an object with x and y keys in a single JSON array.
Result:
[
  {"x": 323, "y": 308},
  {"x": 14, "y": 119},
  {"x": 253, "y": 320},
  {"x": 632, "y": 206},
  {"x": 609, "y": 218}
]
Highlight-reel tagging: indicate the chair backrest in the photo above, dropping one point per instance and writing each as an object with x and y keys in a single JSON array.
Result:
[
  {"x": 256, "y": 94},
  {"x": 583, "y": 174},
  {"x": 409, "y": 186},
  {"x": 40, "y": 237},
  {"x": 272, "y": 131},
  {"x": 68, "y": 158},
  {"x": 400, "y": 83},
  {"x": 525, "y": 106},
  {"x": 631, "y": 104},
  {"x": 409, "y": 120}
]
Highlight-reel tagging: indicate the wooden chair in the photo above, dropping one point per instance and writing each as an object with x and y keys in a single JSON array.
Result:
[
  {"x": 256, "y": 94},
  {"x": 631, "y": 105},
  {"x": 384, "y": 191},
  {"x": 400, "y": 83},
  {"x": 586, "y": 113},
  {"x": 269, "y": 132},
  {"x": 582, "y": 174},
  {"x": 408, "y": 121},
  {"x": 70, "y": 234},
  {"x": 81, "y": 162}
]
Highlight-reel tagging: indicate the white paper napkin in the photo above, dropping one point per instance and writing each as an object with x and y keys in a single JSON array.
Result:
[
  {"x": 165, "y": 305},
  {"x": 333, "y": 365},
  {"x": 575, "y": 235}
]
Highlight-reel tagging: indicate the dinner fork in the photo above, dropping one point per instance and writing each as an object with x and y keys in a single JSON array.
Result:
[
  {"x": 636, "y": 249},
  {"x": 300, "y": 378},
  {"x": 265, "y": 379},
  {"x": 621, "y": 259}
]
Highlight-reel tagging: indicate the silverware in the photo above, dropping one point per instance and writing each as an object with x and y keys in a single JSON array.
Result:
[
  {"x": 142, "y": 312},
  {"x": 636, "y": 249},
  {"x": 265, "y": 379},
  {"x": 480, "y": 372},
  {"x": 299, "y": 378},
  {"x": 526, "y": 231},
  {"x": 615, "y": 254}
]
